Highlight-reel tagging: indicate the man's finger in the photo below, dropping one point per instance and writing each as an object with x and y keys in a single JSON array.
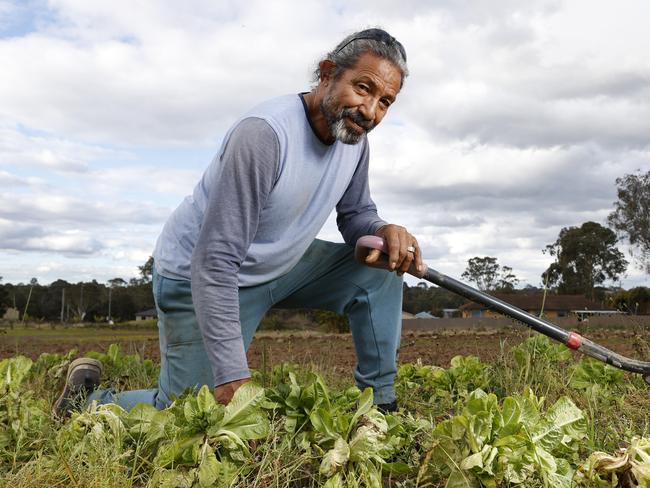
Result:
[
  {"x": 418, "y": 258},
  {"x": 373, "y": 256},
  {"x": 394, "y": 250},
  {"x": 409, "y": 256},
  {"x": 410, "y": 247}
]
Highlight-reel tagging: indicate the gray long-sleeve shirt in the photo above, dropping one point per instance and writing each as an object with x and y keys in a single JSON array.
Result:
[{"x": 257, "y": 208}]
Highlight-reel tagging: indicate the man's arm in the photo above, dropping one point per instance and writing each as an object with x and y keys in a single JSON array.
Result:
[
  {"x": 356, "y": 212},
  {"x": 236, "y": 197},
  {"x": 357, "y": 216}
]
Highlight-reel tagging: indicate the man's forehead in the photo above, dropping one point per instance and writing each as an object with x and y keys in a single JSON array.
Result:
[{"x": 379, "y": 70}]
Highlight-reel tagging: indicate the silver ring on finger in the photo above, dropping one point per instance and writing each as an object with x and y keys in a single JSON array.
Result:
[{"x": 411, "y": 249}]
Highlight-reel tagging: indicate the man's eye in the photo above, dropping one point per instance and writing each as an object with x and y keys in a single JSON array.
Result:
[
  {"x": 363, "y": 88},
  {"x": 384, "y": 102}
]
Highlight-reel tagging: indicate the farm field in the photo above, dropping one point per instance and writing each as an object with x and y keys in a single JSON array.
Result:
[
  {"x": 328, "y": 351},
  {"x": 494, "y": 409}
]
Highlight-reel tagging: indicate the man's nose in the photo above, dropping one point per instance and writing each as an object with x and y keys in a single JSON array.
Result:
[{"x": 368, "y": 109}]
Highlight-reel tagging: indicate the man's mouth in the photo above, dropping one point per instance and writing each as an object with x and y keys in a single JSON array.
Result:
[
  {"x": 358, "y": 123},
  {"x": 357, "y": 128}
]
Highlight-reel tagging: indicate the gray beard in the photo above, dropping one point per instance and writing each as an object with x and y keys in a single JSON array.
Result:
[
  {"x": 336, "y": 123},
  {"x": 342, "y": 133}
]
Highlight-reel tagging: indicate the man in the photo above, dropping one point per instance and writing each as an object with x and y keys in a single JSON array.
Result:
[{"x": 244, "y": 241}]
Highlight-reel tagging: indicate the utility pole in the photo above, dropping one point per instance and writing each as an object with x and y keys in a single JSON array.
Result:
[
  {"x": 82, "y": 314},
  {"x": 32, "y": 282},
  {"x": 62, "y": 303},
  {"x": 110, "y": 288}
]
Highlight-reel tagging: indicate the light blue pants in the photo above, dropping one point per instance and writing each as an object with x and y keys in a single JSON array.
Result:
[{"x": 326, "y": 277}]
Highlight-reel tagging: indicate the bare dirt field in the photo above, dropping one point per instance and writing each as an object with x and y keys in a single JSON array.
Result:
[{"x": 326, "y": 351}]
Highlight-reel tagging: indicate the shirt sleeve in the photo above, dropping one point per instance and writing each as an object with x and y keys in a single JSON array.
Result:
[
  {"x": 237, "y": 195},
  {"x": 356, "y": 212}
]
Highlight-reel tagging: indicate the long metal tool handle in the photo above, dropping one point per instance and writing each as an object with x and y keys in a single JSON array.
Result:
[{"x": 572, "y": 340}]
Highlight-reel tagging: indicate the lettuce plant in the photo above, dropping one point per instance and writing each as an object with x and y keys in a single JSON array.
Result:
[
  {"x": 490, "y": 444},
  {"x": 24, "y": 420}
]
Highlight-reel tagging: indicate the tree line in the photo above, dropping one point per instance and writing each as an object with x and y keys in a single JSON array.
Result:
[
  {"x": 65, "y": 302},
  {"x": 586, "y": 256}
]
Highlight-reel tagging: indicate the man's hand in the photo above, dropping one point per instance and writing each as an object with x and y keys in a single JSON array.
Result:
[
  {"x": 223, "y": 393},
  {"x": 403, "y": 249}
]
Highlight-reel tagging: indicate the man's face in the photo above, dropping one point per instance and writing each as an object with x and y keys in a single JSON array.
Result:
[{"x": 358, "y": 100}]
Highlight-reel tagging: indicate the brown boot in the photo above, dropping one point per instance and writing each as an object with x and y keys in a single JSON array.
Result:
[{"x": 84, "y": 376}]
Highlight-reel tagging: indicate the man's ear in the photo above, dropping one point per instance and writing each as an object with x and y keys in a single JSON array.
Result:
[{"x": 327, "y": 67}]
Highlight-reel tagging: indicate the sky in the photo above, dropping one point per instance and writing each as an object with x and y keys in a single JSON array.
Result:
[{"x": 515, "y": 122}]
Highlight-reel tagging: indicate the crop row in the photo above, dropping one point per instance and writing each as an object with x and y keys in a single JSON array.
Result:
[{"x": 536, "y": 417}]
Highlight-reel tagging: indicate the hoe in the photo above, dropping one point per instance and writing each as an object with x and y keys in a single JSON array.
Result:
[{"x": 572, "y": 340}]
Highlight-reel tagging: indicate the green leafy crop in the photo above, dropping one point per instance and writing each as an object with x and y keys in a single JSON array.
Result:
[
  {"x": 465, "y": 374},
  {"x": 23, "y": 418},
  {"x": 512, "y": 442},
  {"x": 298, "y": 432}
]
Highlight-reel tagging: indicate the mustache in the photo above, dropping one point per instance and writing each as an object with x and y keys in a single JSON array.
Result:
[{"x": 358, "y": 119}]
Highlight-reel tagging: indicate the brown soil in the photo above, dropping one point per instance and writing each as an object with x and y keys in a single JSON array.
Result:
[{"x": 326, "y": 351}]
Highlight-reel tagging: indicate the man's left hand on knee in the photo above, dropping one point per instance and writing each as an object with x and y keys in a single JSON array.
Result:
[{"x": 224, "y": 393}]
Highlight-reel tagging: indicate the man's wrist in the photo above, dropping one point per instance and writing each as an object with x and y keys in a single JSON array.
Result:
[{"x": 380, "y": 228}]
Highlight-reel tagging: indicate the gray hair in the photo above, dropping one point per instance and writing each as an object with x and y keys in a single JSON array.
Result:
[{"x": 349, "y": 50}]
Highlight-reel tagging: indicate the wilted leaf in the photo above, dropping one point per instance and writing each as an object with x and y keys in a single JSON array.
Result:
[
  {"x": 172, "y": 478},
  {"x": 462, "y": 479},
  {"x": 367, "y": 440},
  {"x": 335, "y": 481},
  {"x": 473, "y": 461},
  {"x": 209, "y": 469},
  {"x": 335, "y": 458},
  {"x": 634, "y": 460}
]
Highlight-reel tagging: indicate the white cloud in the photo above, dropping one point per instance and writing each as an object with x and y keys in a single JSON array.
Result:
[
  {"x": 70, "y": 242},
  {"x": 60, "y": 209},
  {"x": 145, "y": 180},
  {"x": 515, "y": 122},
  {"x": 10, "y": 180},
  {"x": 18, "y": 149},
  {"x": 148, "y": 80},
  {"x": 29, "y": 237}
]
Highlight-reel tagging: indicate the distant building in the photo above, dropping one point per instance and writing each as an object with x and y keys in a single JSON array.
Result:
[
  {"x": 11, "y": 314},
  {"x": 424, "y": 315},
  {"x": 554, "y": 306},
  {"x": 150, "y": 314},
  {"x": 448, "y": 313}
]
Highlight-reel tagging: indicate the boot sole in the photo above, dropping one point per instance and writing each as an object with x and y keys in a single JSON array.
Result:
[{"x": 58, "y": 408}]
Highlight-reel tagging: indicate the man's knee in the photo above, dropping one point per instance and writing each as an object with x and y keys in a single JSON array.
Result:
[{"x": 373, "y": 279}]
